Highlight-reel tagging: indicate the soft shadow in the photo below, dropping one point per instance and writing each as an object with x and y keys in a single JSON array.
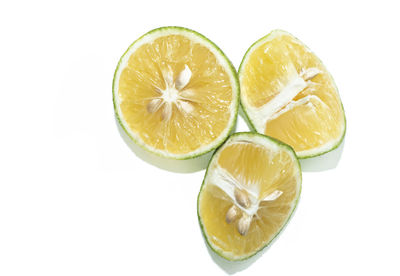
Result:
[
  {"x": 327, "y": 161},
  {"x": 232, "y": 267},
  {"x": 180, "y": 166}
]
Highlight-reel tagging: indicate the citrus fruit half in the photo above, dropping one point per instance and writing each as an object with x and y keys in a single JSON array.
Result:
[
  {"x": 249, "y": 192},
  {"x": 175, "y": 93},
  {"x": 287, "y": 93}
]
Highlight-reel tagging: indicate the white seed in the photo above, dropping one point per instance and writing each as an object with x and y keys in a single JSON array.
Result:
[
  {"x": 168, "y": 77},
  {"x": 272, "y": 196},
  {"x": 183, "y": 79},
  {"x": 243, "y": 224},
  {"x": 185, "y": 106},
  {"x": 232, "y": 214},
  {"x": 154, "y": 105},
  {"x": 166, "y": 112},
  {"x": 310, "y": 73},
  {"x": 242, "y": 198},
  {"x": 187, "y": 94}
]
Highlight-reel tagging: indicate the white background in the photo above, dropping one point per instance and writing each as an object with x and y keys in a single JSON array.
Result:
[{"x": 75, "y": 200}]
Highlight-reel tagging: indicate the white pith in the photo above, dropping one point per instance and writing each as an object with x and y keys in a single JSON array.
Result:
[
  {"x": 283, "y": 101},
  {"x": 292, "y": 104},
  {"x": 171, "y": 95}
]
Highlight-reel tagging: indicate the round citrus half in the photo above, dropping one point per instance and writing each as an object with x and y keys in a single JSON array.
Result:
[
  {"x": 175, "y": 93},
  {"x": 249, "y": 192},
  {"x": 287, "y": 93}
]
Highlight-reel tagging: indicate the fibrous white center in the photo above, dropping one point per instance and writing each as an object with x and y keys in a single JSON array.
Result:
[
  {"x": 170, "y": 94},
  {"x": 174, "y": 93},
  {"x": 284, "y": 100}
]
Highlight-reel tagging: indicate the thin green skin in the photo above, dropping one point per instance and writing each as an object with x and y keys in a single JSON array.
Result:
[
  {"x": 237, "y": 94},
  {"x": 220, "y": 252},
  {"x": 250, "y": 124}
]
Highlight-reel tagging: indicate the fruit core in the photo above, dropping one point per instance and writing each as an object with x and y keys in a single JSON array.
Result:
[{"x": 173, "y": 94}]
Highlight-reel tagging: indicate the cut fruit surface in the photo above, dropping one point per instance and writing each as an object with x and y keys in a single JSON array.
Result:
[
  {"x": 175, "y": 93},
  {"x": 250, "y": 190},
  {"x": 287, "y": 93}
]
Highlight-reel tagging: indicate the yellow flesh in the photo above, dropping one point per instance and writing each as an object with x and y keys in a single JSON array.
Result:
[
  {"x": 269, "y": 68},
  {"x": 260, "y": 170},
  {"x": 210, "y": 96}
]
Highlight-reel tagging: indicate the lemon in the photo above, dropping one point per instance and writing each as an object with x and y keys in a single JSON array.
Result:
[
  {"x": 287, "y": 93},
  {"x": 175, "y": 93},
  {"x": 249, "y": 192}
]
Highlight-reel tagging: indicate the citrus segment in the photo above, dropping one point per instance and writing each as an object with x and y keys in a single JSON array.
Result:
[
  {"x": 176, "y": 93},
  {"x": 249, "y": 192},
  {"x": 287, "y": 93}
]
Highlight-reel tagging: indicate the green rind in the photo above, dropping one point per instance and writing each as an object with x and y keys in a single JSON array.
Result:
[
  {"x": 249, "y": 122},
  {"x": 237, "y": 94},
  {"x": 246, "y": 118},
  {"x": 219, "y": 252}
]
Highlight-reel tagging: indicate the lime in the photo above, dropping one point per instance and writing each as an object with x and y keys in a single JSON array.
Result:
[
  {"x": 249, "y": 192},
  {"x": 287, "y": 93},
  {"x": 175, "y": 93}
]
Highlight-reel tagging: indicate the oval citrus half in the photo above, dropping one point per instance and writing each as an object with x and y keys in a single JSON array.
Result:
[
  {"x": 287, "y": 93},
  {"x": 249, "y": 192}
]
